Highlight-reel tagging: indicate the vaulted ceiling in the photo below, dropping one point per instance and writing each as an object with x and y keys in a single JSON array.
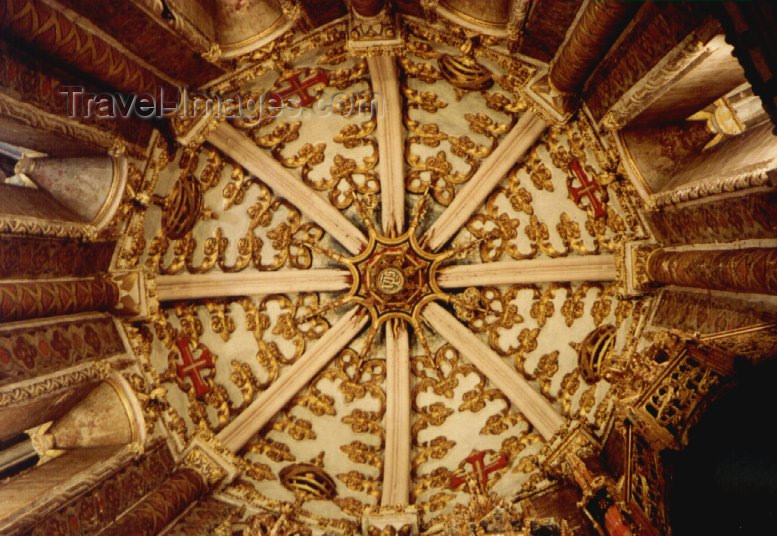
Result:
[
  {"x": 419, "y": 290},
  {"x": 498, "y": 218}
]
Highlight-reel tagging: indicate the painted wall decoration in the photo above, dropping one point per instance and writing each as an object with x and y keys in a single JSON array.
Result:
[
  {"x": 727, "y": 220},
  {"x": 39, "y": 348},
  {"x": 31, "y": 257}
]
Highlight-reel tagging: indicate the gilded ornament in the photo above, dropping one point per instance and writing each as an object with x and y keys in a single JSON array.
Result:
[
  {"x": 463, "y": 71},
  {"x": 594, "y": 353},
  {"x": 308, "y": 481}
]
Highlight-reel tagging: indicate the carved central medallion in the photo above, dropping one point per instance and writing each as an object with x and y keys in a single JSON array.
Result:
[{"x": 394, "y": 277}]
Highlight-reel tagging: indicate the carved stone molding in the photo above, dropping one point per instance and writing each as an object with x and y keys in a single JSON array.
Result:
[
  {"x": 746, "y": 180},
  {"x": 34, "y": 257},
  {"x": 659, "y": 79},
  {"x": 58, "y": 32},
  {"x": 32, "y": 348},
  {"x": 731, "y": 218},
  {"x": 20, "y": 300},
  {"x": 133, "y": 481},
  {"x": 705, "y": 314},
  {"x": 163, "y": 505},
  {"x": 58, "y": 382},
  {"x": 71, "y": 128},
  {"x": 756, "y": 342}
]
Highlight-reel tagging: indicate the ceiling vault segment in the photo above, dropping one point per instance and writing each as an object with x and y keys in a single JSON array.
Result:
[
  {"x": 510, "y": 150},
  {"x": 535, "y": 407},
  {"x": 240, "y": 148},
  {"x": 385, "y": 84},
  {"x": 221, "y": 285},
  {"x": 396, "y": 459},
  {"x": 571, "y": 269},
  {"x": 238, "y": 432}
]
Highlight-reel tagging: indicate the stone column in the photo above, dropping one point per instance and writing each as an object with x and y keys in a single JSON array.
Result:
[
  {"x": 163, "y": 505},
  {"x": 596, "y": 27},
  {"x": 122, "y": 293},
  {"x": 201, "y": 469},
  {"x": 21, "y": 300},
  {"x": 740, "y": 270},
  {"x": 90, "y": 187},
  {"x": 50, "y": 30},
  {"x": 368, "y": 8}
]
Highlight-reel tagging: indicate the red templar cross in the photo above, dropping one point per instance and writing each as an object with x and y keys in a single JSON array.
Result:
[
  {"x": 588, "y": 188},
  {"x": 300, "y": 88},
  {"x": 480, "y": 469},
  {"x": 191, "y": 367}
]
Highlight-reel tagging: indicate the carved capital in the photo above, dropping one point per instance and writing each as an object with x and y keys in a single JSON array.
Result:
[
  {"x": 658, "y": 79},
  {"x": 213, "y": 54},
  {"x": 212, "y": 465},
  {"x": 134, "y": 296},
  {"x": 195, "y": 119},
  {"x": 390, "y": 520},
  {"x": 374, "y": 35},
  {"x": 634, "y": 269}
]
